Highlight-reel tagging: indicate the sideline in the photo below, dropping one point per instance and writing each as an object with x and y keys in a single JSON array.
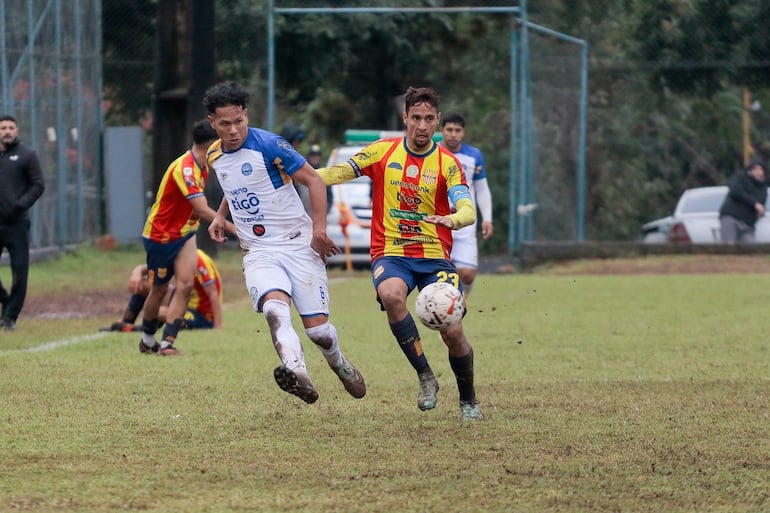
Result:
[{"x": 50, "y": 346}]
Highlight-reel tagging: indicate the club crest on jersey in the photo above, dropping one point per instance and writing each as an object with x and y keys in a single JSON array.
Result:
[
  {"x": 412, "y": 171},
  {"x": 258, "y": 230},
  {"x": 246, "y": 169},
  {"x": 429, "y": 176}
]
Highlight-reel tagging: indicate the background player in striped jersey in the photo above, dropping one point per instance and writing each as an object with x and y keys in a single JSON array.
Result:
[
  {"x": 465, "y": 250},
  {"x": 204, "y": 308},
  {"x": 284, "y": 249},
  {"x": 413, "y": 180},
  {"x": 169, "y": 239}
]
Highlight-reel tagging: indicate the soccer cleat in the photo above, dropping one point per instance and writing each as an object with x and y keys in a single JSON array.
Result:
[
  {"x": 351, "y": 379},
  {"x": 8, "y": 325},
  {"x": 295, "y": 383},
  {"x": 427, "y": 398},
  {"x": 169, "y": 350},
  {"x": 469, "y": 410},
  {"x": 121, "y": 326},
  {"x": 143, "y": 348}
]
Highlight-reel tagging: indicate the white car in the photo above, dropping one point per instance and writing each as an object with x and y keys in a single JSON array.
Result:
[
  {"x": 351, "y": 207},
  {"x": 696, "y": 219}
]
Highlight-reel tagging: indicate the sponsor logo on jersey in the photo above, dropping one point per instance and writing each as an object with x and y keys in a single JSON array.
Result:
[
  {"x": 412, "y": 200},
  {"x": 412, "y": 171},
  {"x": 258, "y": 229},
  {"x": 246, "y": 169},
  {"x": 414, "y": 240},
  {"x": 409, "y": 228},
  {"x": 284, "y": 145},
  {"x": 406, "y": 214},
  {"x": 395, "y": 165},
  {"x": 245, "y": 200}
]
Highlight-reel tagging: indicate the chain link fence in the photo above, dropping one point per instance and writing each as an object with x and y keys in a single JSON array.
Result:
[
  {"x": 661, "y": 117},
  {"x": 51, "y": 83}
]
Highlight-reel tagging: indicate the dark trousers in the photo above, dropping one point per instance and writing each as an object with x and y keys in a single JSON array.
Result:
[{"x": 15, "y": 238}]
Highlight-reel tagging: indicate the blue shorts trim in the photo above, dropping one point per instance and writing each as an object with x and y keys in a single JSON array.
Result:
[
  {"x": 161, "y": 256},
  {"x": 415, "y": 272}
]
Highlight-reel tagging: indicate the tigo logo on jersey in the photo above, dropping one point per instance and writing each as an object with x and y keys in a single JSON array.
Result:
[{"x": 246, "y": 169}]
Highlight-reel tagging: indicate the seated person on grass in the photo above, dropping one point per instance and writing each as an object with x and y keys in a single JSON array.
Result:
[{"x": 204, "y": 309}]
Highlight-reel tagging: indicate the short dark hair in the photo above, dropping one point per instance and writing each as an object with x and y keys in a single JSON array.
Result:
[
  {"x": 224, "y": 94},
  {"x": 453, "y": 117},
  {"x": 202, "y": 132},
  {"x": 292, "y": 132},
  {"x": 415, "y": 95},
  {"x": 8, "y": 117}
]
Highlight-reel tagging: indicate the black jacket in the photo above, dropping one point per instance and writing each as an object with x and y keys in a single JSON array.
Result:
[
  {"x": 21, "y": 182},
  {"x": 744, "y": 192}
]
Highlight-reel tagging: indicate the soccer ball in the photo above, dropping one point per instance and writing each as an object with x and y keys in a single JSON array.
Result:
[{"x": 439, "y": 305}]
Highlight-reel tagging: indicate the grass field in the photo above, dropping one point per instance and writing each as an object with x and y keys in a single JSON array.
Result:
[{"x": 601, "y": 393}]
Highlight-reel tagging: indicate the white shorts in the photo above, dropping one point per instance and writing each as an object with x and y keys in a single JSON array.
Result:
[
  {"x": 299, "y": 273},
  {"x": 465, "y": 249}
]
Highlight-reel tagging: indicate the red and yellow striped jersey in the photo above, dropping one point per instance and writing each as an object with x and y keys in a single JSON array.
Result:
[
  {"x": 405, "y": 188},
  {"x": 171, "y": 216},
  {"x": 206, "y": 274}
]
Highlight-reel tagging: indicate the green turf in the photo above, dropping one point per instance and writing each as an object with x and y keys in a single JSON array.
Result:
[{"x": 602, "y": 393}]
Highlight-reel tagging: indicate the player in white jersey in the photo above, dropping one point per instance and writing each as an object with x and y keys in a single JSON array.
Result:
[
  {"x": 284, "y": 249},
  {"x": 465, "y": 252}
]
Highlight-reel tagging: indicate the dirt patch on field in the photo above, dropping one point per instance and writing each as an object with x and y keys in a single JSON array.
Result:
[
  {"x": 96, "y": 303},
  {"x": 110, "y": 303}
]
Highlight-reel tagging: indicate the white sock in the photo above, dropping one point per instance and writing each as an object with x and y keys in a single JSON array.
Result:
[
  {"x": 324, "y": 336},
  {"x": 285, "y": 339}
]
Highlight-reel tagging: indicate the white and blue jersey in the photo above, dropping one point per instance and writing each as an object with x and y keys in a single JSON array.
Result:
[
  {"x": 473, "y": 167},
  {"x": 263, "y": 203}
]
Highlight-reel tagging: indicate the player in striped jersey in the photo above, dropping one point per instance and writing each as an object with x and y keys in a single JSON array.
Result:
[
  {"x": 169, "y": 240},
  {"x": 284, "y": 249},
  {"x": 204, "y": 308},
  {"x": 413, "y": 181}
]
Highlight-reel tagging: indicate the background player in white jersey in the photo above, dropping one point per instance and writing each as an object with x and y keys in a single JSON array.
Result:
[
  {"x": 284, "y": 250},
  {"x": 465, "y": 250}
]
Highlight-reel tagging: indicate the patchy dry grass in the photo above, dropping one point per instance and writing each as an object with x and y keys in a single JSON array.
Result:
[{"x": 602, "y": 393}]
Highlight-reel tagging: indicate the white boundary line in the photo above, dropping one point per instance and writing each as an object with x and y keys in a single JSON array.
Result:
[{"x": 55, "y": 344}]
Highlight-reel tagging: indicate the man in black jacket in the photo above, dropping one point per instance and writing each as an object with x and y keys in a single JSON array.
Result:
[
  {"x": 744, "y": 204},
  {"x": 21, "y": 184}
]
